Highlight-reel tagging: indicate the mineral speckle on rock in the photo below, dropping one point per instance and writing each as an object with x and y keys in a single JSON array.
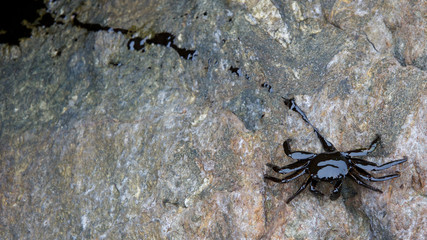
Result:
[{"x": 98, "y": 141}]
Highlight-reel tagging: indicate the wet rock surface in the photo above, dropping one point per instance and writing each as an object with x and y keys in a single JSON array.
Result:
[{"x": 99, "y": 140}]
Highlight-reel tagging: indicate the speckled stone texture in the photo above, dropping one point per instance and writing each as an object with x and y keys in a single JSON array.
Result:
[{"x": 99, "y": 141}]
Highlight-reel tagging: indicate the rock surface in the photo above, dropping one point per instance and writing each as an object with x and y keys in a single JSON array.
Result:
[{"x": 111, "y": 131}]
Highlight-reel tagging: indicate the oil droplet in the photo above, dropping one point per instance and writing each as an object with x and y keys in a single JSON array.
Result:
[
  {"x": 236, "y": 70},
  {"x": 268, "y": 86}
]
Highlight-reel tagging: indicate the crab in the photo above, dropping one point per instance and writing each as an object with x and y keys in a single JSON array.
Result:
[{"x": 331, "y": 166}]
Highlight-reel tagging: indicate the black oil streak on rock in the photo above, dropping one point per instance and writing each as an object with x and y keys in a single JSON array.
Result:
[
  {"x": 164, "y": 39},
  {"x": 94, "y": 27}
]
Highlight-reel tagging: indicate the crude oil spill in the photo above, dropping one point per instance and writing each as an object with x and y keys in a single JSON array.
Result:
[
  {"x": 236, "y": 70},
  {"x": 165, "y": 39},
  {"x": 95, "y": 27},
  {"x": 138, "y": 43}
]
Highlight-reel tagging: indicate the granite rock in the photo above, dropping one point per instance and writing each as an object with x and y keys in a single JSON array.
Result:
[{"x": 149, "y": 119}]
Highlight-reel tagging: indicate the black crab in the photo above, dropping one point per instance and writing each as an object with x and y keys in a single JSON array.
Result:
[{"x": 331, "y": 166}]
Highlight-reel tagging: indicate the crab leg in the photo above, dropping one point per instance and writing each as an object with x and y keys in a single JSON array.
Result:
[
  {"x": 366, "y": 176},
  {"x": 364, "y": 151},
  {"x": 337, "y": 190},
  {"x": 289, "y": 168},
  {"x": 313, "y": 188},
  {"x": 298, "y": 155},
  {"x": 308, "y": 181},
  {"x": 359, "y": 181},
  {"x": 289, "y": 178},
  {"x": 328, "y": 146},
  {"x": 370, "y": 166}
]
